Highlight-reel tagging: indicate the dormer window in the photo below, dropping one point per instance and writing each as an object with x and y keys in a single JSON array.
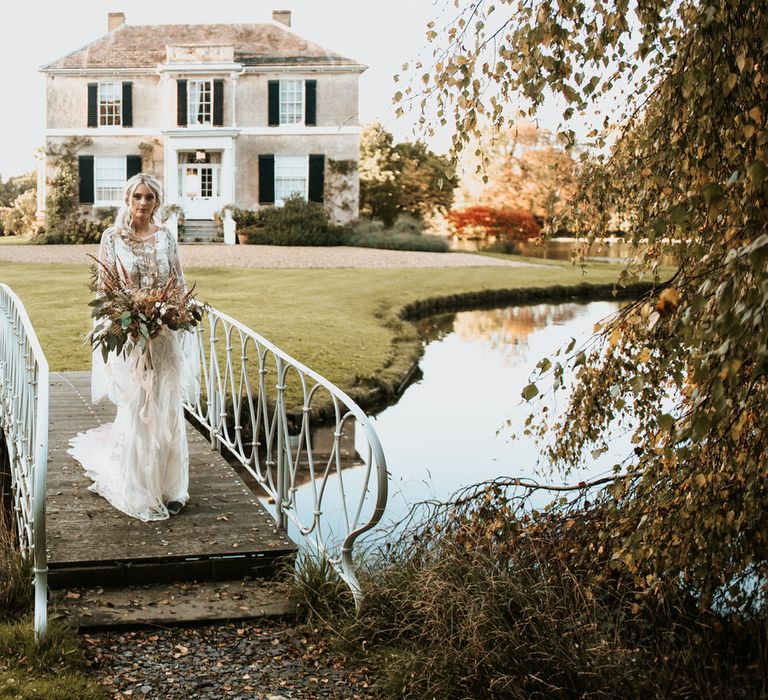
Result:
[
  {"x": 199, "y": 102},
  {"x": 110, "y": 104}
]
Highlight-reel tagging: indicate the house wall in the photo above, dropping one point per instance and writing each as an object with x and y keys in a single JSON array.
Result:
[
  {"x": 337, "y": 98},
  {"x": 67, "y": 101},
  {"x": 154, "y": 110},
  {"x": 336, "y": 147}
]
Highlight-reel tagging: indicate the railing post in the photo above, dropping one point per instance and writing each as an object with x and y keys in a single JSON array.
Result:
[
  {"x": 282, "y": 471},
  {"x": 213, "y": 390},
  {"x": 40, "y": 563}
]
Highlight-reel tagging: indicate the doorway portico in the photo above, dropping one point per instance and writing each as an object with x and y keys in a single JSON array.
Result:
[{"x": 199, "y": 172}]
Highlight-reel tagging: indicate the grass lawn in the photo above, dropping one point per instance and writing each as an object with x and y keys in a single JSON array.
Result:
[
  {"x": 14, "y": 240},
  {"x": 340, "y": 322}
]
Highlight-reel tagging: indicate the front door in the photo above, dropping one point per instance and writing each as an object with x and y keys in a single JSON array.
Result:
[{"x": 199, "y": 181}]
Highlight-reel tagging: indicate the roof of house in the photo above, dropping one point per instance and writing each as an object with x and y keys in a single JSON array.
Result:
[{"x": 145, "y": 46}]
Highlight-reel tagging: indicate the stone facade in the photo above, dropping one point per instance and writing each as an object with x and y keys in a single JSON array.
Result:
[{"x": 222, "y": 114}]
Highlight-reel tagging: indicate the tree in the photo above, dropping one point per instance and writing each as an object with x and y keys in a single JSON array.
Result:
[
  {"x": 19, "y": 219},
  {"x": 680, "y": 150},
  {"x": 403, "y": 178},
  {"x": 525, "y": 169},
  {"x": 14, "y": 186},
  {"x": 483, "y": 222}
]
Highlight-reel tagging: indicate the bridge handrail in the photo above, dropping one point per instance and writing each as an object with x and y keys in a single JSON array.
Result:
[
  {"x": 280, "y": 442},
  {"x": 24, "y": 395}
]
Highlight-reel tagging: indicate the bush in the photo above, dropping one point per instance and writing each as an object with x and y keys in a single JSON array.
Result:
[
  {"x": 297, "y": 222},
  {"x": 487, "y": 598},
  {"x": 509, "y": 226},
  {"x": 19, "y": 219},
  {"x": 81, "y": 229},
  {"x": 405, "y": 234}
]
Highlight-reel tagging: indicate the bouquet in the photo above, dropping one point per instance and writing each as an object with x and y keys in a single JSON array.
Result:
[{"x": 128, "y": 314}]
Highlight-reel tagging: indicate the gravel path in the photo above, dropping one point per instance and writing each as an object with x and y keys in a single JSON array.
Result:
[
  {"x": 254, "y": 661},
  {"x": 269, "y": 256}
]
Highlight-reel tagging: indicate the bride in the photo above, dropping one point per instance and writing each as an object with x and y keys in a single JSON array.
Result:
[{"x": 140, "y": 463}]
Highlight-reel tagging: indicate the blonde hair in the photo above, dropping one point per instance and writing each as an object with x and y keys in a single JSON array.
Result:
[{"x": 124, "y": 220}]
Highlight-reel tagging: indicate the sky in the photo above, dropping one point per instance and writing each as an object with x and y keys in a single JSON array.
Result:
[{"x": 382, "y": 35}]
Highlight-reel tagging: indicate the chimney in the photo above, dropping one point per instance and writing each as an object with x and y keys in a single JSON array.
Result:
[
  {"x": 116, "y": 20},
  {"x": 282, "y": 16}
]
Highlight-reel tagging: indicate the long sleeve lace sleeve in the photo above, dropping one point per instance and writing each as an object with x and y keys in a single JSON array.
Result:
[
  {"x": 102, "y": 381},
  {"x": 106, "y": 255}
]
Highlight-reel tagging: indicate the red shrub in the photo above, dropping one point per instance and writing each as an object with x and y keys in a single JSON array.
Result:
[{"x": 483, "y": 222}]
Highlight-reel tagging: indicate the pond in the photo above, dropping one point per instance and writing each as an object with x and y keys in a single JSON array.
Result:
[
  {"x": 611, "y": 250},
  {"x": 454, "y": 426}
]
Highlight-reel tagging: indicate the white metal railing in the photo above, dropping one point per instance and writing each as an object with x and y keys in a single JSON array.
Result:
[
  {"x": 24, "y": 422},
  {"x": 297, "y": 434}
]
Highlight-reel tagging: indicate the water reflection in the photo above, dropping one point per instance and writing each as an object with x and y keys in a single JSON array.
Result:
[
  {"x": 454, "y": 427},
  {"x": 507, "y": 330}
]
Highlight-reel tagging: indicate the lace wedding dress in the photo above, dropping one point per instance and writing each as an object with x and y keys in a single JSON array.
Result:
[{"x": 140, "y": 462}]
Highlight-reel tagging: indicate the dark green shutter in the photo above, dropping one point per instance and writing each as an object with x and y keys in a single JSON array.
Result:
[
  {"x": 266, "y": 179},
  {"x": 310, "y": 108},
  {"x": 93, "y": 105},
  {"x": 274, "y": 102},
  {"x": 218, "y": 103},
  {"x": 85, "y": 170},
  {"x": 127, "y": 104},
  {"x": 316, "y": 178},
  {"x": 181, "y": 102},
  {"x": 132, "y": 166}
]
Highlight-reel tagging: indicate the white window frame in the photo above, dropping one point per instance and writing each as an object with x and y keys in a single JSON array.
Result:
[
  {"x": 110, "y": 94},
  {"x": 292, "y": 95},
  {"x": 195, "y": 88},
  {"x": 108, "y": 174},
  {"x": 291, "y": 168}
]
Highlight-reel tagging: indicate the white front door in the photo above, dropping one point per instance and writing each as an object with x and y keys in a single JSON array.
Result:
[{"x": 199, "y": 187}]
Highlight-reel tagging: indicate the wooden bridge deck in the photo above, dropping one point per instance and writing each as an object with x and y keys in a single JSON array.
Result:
[{"x": 223, "y": 533}]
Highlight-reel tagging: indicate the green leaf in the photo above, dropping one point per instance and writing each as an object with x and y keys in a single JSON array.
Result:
[
  {"x": 678, "y": 214},
  {"x": 530, "y": 391},
  {"x": 712, "y": 193},
  {"x": 757, "y": 172}
]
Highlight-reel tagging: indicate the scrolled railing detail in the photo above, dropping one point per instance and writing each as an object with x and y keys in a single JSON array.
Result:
[
  {"x": 297, "y": 434},
  {"x": 24, "y": 394}
]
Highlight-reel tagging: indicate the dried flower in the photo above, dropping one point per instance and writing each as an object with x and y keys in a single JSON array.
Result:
[{"x": 128, "y": 314}]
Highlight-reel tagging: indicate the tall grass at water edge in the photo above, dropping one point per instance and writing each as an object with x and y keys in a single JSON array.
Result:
[{"x": 484, "y": 598}]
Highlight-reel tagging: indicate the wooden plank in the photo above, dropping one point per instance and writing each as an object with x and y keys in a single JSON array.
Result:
[
  {"x": 224, "y": 528},
  {"x": 176, "y": 604}
]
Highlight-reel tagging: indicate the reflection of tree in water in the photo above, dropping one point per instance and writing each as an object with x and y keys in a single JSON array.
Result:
[
  {"x": 436, "y": 327},
  {"x": 507, "y": 329}
]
